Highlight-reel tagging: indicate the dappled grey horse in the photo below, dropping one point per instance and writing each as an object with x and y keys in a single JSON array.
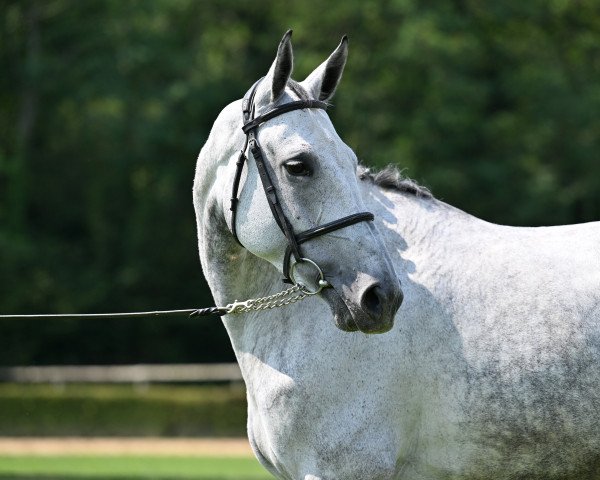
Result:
[{"x": 488, "y": 369}]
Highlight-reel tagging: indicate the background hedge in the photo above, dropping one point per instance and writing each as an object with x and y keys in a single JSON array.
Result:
[{"x": 96, "y": 410}]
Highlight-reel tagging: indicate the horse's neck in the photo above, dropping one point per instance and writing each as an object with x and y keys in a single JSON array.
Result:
[
  {"x": 429, "y": 242},
  {"x": 408, "y": 221},
  {"x": 231, "y": 271}
]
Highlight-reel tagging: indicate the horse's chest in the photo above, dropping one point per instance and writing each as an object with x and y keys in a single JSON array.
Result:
[{"x": 304, "y": 432}]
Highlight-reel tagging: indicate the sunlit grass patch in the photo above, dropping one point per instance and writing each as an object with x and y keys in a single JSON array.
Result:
[{"x": 79, "y": 467}]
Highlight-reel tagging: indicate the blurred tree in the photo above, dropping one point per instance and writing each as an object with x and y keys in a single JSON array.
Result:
[{"x": 105, "y": 104}]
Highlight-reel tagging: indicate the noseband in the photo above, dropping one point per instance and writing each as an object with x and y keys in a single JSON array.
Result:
[{"x": 294, "y": 240}]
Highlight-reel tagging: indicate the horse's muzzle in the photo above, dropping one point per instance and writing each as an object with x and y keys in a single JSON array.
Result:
[{"x": 369, "y": 307}]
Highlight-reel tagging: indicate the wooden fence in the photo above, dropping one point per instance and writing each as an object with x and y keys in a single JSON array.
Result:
[{"x": 176, "y": 373}]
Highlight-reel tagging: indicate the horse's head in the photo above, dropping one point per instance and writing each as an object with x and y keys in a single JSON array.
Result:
[{"x": 313, "y": 174}]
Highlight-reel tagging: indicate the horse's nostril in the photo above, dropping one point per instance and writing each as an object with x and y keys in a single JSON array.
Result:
[{"x": 372, "y": 300}]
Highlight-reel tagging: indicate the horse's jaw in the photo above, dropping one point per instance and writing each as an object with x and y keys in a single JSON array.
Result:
[{"x": 349, "y": 317}]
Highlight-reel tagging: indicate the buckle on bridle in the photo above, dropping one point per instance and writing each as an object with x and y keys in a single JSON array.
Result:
[{"x": 321, "y": 283}]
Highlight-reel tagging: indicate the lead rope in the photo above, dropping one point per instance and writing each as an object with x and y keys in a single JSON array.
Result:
[{"x": 291, "y": 295}]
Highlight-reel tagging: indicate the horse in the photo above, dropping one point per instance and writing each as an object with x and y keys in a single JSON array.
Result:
[{"x": 442, "y": 346}]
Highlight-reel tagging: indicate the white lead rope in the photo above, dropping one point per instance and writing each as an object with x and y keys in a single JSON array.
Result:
[{"x": 154, "y": 313}]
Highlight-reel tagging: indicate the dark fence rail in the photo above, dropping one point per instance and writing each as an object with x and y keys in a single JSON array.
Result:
[{"x": 177, "y": 373}]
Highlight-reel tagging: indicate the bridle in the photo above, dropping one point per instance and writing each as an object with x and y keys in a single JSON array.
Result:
[{"x": 294, "y": 240}]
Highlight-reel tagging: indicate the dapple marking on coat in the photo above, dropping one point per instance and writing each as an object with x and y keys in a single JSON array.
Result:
[{"x": 490, "y": 369}]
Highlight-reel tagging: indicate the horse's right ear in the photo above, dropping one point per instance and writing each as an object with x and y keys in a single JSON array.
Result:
[{"x": 280, "y": 71}]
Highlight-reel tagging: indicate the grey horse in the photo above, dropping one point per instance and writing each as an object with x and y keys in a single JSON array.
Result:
[{"x": 490, "y": 368}]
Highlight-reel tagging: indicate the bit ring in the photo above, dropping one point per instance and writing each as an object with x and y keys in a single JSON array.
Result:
[{"x": 322, "y": 283}]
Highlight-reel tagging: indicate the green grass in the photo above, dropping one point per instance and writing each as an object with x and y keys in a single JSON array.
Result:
[{"x": 130, "y": 468}]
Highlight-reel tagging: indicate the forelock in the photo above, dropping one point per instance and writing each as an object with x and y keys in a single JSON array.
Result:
[{"x": 298, "y": 90}]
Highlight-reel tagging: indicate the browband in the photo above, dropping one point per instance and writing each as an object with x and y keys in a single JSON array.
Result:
[{"x": 275, "y": 112}]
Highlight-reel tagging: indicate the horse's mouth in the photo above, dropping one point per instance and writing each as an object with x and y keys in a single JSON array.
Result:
[
  {"x": 341, "y": 314},
  {"x": 351, "y": 319}
]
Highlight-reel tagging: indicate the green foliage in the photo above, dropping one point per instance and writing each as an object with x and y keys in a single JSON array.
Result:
[
  {"x": 95, "y": 410},
  {"x": 104, "y": 106}
]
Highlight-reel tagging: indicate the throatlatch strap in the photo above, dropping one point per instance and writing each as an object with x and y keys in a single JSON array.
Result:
[
  {"x": 239, "y": 166},
  {"x": 247, "y": 109}
]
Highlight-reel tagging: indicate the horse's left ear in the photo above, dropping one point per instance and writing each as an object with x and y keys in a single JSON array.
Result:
[
  {"x": 324, "y": 80},
  {"x": 280, "y": 71}
]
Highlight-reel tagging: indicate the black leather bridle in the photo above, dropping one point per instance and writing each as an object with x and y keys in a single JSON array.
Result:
[{"x": 294, "y": 240}]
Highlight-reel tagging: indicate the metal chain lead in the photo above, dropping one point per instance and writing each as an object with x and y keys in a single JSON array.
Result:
[
  {"x": 280, "y": 299},
  {"x": 293, "y": 294},
  {"x": 286, "y": 297}
]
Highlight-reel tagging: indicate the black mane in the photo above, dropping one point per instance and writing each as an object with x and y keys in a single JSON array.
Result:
[{"x": 391, "y": 178}]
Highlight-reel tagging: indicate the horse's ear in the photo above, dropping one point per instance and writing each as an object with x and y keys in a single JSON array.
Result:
[
  {"x": 280, "y": 71},
  {"x": 324, "y": 80}
]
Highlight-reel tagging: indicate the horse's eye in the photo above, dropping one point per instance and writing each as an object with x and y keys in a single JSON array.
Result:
[{"x": 297, "y": 168}]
